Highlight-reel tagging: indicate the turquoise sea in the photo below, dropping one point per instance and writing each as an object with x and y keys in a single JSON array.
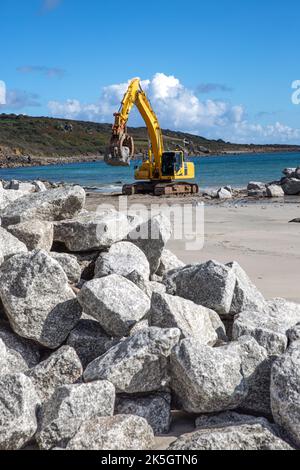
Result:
[{"x": 211, "y": 171}]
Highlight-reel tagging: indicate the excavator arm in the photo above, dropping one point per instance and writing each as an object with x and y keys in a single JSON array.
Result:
[
  {"x": 163, "y": 172},
  {"x": 121, "y": 148}
]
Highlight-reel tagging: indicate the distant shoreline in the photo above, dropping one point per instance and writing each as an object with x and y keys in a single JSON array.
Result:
[{"x": 34, "y": 161}]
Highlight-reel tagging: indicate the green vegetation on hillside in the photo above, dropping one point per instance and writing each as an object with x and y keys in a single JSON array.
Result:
[{"x": 49, "y": 137}]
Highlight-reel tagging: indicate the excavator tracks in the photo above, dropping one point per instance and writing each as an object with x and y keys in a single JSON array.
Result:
[{"x": 160, "y": 188}]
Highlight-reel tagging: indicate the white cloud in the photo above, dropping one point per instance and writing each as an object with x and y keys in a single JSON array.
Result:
[
  {"x": 49, "y": 72},
  {"x": 2, "y": 92},
  {"x": 15, "y": 100},
  {"x": 179, "y": 108}
]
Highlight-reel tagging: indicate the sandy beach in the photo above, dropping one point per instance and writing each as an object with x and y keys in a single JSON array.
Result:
[{"x": 257, "y": 234}]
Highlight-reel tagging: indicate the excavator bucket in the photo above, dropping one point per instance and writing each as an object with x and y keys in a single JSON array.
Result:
[{"x": 120, "y": 151}]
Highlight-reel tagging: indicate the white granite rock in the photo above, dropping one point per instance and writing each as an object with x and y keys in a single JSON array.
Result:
[{"x": 37, "y": 298}]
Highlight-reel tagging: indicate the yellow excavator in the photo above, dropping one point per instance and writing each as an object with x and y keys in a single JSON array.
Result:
[{"x": 162, "y": 173}]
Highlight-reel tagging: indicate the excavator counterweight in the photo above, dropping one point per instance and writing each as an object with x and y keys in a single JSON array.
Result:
[{"x": 160, "y": 172}]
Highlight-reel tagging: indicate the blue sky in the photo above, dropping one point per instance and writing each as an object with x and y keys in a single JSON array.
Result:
[{"x": 222, "y": 69}]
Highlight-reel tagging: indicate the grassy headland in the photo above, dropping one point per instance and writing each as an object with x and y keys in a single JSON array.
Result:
[{"x": 26, "y": 140}]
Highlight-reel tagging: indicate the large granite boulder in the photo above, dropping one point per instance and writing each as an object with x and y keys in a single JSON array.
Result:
[
  {"x": 256, "y": 189},
  {"x": 116, "y": 303},
  {"x": 18, "y": 406},
  {"x": 225, "y": 289},
  {"x": 293, "y": 333},
  {"x": 256, "y": 369},
  {"x": 224, "y": 193},
  {"x": 140, "y": 364},
  {"x": 37, "y": 298},
  {"x": 69, "y": 407},
  {"x": 69, "y": 264},
  {"x": 89, "y": 341},
  {"x": 10, "y": 362},
  {"x": 62, "y": 367},
  {"x": 151, "y": 237},
  {"x": 269, "y": 327},
  {"x": 51, "y": 205},
  {"x": 9, "y": 245},
  {"x": 26, "y": 352},
  {"x": 193, "y": 320},
  {"x": 245, "y": 294},
  {"x": 210, "y": 284},
  {"x": 9, "y": 196},
  {"x": 206, "y": 379},
  {"x": 123, "y": 258},
  {"x": 121, "y": 432},
  {"x": 155, "y": 408},
  {"x": 232, "y": 418},
  {"x": 274, "y": 190},
  {"x": 291, "y": 186},
  {"x": 238, "y": 437},
  {"x": 94, "y": 230},
  {"x": 285, "y": 392},
  {"x": 39, "y": 186},
  {"x": 168, "y": 261},
  {"x": 35, "y": 234},
  {"x": 21, "y": 186}
]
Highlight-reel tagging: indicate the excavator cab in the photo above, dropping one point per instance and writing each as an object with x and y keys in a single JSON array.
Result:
[{"x": 172, "y": 163}]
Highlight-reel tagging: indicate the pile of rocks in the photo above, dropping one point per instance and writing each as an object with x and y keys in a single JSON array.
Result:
[
  {"x": 288, "y": 185},
  {"x": 223, "y": 193},
  {"x": 102, "y": 339}
]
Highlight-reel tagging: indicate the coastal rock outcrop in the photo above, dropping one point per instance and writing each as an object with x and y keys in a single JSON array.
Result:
[
  {"x": 291, "y": 186},
  {"x": 256, "y": 188},
  {"x": 224, "y": 193},
  {"x": 274, "y": 190}
]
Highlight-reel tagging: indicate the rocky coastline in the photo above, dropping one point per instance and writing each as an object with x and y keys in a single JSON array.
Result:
[{"x": 8, "y": 158}]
